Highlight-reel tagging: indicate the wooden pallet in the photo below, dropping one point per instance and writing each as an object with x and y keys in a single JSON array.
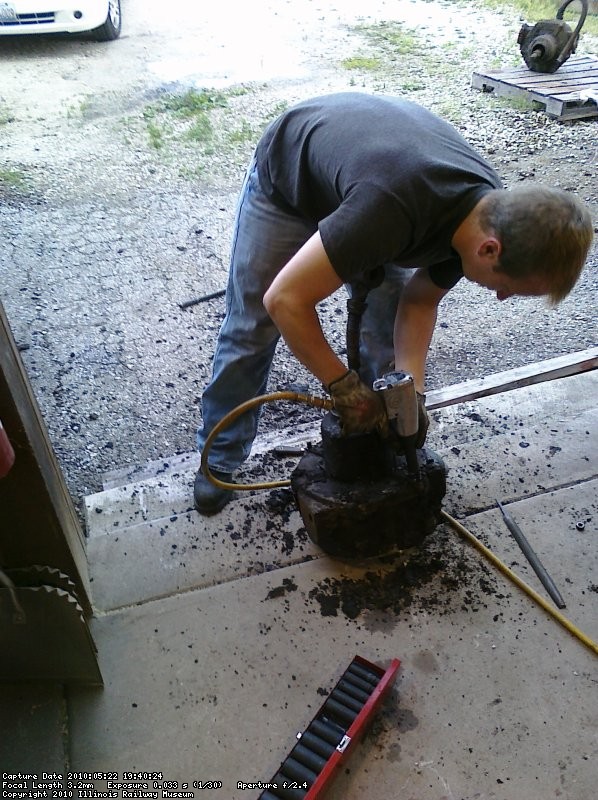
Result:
[{"x": 569, "y": 93}]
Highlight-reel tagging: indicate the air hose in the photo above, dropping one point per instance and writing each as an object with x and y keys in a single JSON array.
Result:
[
  {"x": 572, "y": 41},
  {"x": 327, "y": 403},
  {"x": 228, "y": 419}
]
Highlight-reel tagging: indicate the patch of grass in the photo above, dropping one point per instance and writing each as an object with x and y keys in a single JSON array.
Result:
[
  {"x": 85, "y": 106},
  {"x": 392, "y": 36},
  {"x": 5, "y": 117},
  {"x": 522, "y": 103},
  {"x": 246, "y": 133},
  {"x": 203, "y": 133},
  {"x": 278, "y": 109},
  {"x": 192, "y": 173},
  {"x": 81, "y": 110},
  {"x": 403, "y": 57},
  {"x": 391, "y": 44},
  {"x": 183, "y": 116},
  {"x": 12, "y": 179},
  {"x": 155, "y": 134},
  {"x": 412, "y": 86},
  {"x": 362, "y": 63},
  {"x": 194, "y": 104}
]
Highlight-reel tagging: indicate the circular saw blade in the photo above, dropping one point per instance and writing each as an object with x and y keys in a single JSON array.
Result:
[{"x": 40, "y": 575}]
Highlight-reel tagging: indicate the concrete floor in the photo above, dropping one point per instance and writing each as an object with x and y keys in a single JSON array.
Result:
[{"x": 219, "y": 638}]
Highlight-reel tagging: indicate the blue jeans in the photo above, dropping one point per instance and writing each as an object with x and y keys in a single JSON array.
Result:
[
  {"x": 376, "y": 349},
  {"x": 264, "y": 239}
]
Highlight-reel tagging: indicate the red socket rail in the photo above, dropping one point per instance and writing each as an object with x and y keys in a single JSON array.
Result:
[{"x": 327, "y": 741}]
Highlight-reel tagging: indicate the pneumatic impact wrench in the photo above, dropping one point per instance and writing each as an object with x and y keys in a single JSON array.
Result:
[{"x": 400, "y": 399}]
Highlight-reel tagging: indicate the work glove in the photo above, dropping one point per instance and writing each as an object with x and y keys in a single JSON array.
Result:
[
  {"x": 361, "y": 409},
  {"x": 423, "y": 421}
]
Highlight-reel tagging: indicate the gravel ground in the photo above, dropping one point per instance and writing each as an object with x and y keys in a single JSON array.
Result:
[{"x": 113, "y": 215}]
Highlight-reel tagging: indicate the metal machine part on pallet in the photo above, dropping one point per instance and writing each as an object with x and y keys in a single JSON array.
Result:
[
  {"x": 546, "y": 45},
  {"x": 326, "y": 742}
]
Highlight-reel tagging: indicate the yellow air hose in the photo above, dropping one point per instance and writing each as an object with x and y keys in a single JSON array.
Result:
[
  {"x": 228, "y": 419},
  {"x": 327, "y": 403}
]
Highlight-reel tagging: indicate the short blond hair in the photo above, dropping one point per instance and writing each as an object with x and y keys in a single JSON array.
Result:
[{"x": 543, "y": 232}]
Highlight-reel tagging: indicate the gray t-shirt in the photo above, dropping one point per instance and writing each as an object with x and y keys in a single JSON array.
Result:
[{"x": 386, "y": 181}]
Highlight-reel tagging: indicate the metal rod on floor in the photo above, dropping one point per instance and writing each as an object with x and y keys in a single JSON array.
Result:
[
  {"x": 202, "y": 299},
  {"x": 518, "y": 582},
  {"x": 532, "y": 557}
]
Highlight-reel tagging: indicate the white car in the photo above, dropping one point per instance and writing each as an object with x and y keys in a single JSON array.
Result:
[{"x": 100, "y": 17}]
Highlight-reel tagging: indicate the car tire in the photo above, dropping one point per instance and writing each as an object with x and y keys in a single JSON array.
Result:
[{"x": 111, "y": 28}]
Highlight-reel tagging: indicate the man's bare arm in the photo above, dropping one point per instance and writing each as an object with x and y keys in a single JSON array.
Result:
[
  {"x": 414, "y": 325},
  {"x": 291, "y": 301}
]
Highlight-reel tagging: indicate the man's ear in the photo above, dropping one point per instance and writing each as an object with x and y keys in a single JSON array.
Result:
[{"x": 490, "y": 248}]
